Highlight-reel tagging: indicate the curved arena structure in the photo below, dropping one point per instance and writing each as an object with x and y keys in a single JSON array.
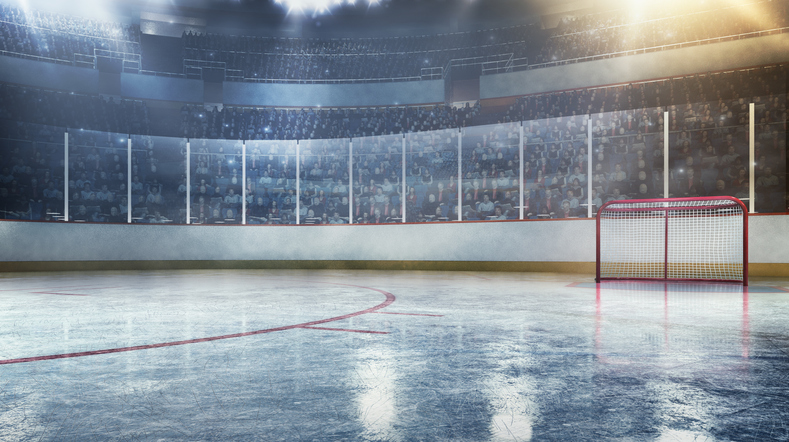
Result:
[{"x": 499, "y": 124}]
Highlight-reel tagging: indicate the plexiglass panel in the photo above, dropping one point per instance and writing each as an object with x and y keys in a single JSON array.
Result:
[
  {"x": 491, "y": 159},
  {"x": 216, "y": 181},
  {"x": 325, "y": 197},
  {"x": 52, "y": 170},
  {"x": 538, "y": 171},
  {"x": 685, "y": 154},
  {"x": 627, "y": 156},
  {"x": 628, "y": 149},
  {"x": 573, "y": 167},
  {"x": 31, "y": 172},
  {"x": 271, "y": 167},
  {"x": 98, "y": 167},
  {"x": 158, "y": 180},
  {"x": 707, "y": 149},
  {"x": 770, "y": 154},
  {"x": 708, "y": 146},
  {"x": 653, "y": 129},
  {"x": 431, "y": 176},
  {"x": 377, "y": 172}
]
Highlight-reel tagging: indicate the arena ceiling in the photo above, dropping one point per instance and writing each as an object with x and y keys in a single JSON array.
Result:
[
  {"x": 346, "y": 18},
  {"x": 384, "y": 15}
]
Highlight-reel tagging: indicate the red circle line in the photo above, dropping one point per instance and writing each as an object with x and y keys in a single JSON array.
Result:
[{"x": 390, "y": 298}]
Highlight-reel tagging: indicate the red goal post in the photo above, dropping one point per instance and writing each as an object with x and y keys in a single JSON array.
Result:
[{"x": 680, "y": 239}]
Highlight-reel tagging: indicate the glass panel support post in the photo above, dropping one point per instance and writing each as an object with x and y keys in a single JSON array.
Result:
[
  {"x": 129, "y": 182},
  {"x": 752, "y": 159},
  {"x": 244, "y": 181},
  {"x": 403, "y": 186},
  {"x": 188, "y": 182},
  {"x": 520, "y": 174},
  {"x": 298, "y": 185},
  {"x": 350, "y": 181},
  {"x": 589, "y": 208},
  {"x": 65, "y": 177},
  {"x": 460, "y": 174},
  {"x": 665, "y": 155}
]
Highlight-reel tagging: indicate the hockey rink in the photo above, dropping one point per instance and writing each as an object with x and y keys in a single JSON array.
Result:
[{"x": 389, "y": 356}]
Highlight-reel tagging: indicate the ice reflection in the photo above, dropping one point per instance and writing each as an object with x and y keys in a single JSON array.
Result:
[
  {"x": 512, "y": 426},
  {"x": 677, "y": 404},
  {"x": 672, "y": 435},
  {"x": 690, "y": 338},
  {"x": 376, "y": 404},
  {"x": 511, "y": 395},
  {"x": 674, "y": 306}
]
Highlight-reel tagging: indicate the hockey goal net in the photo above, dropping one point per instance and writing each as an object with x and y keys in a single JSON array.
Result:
[{"x": 691, "y": 239}]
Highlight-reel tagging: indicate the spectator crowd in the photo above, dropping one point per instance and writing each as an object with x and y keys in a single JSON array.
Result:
[
  {"x": 73, "y": 111},
  {"x": 708, "y": 121},
  {"x": 613, "y": 32},
  {"x": 364, "y": 180},
  {"x": 276, "y": 58},
  {"x": 311, "y": 123},
  {"x": 59, "y": 37}
]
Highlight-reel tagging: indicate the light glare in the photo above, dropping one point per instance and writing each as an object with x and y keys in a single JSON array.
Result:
[{"x": 317, "y": 7}]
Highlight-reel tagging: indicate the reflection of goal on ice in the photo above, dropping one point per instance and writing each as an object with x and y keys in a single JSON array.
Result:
[{"x": 702, "y": 239}]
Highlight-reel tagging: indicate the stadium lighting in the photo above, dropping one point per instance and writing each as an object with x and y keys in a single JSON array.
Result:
[{"x": 318, "y": 7}]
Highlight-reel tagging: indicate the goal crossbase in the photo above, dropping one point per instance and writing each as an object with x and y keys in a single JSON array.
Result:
[{"x": 732, "y": 281}]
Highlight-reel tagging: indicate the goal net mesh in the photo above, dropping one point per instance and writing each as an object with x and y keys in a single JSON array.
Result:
[{"x": 672, "y": 239}]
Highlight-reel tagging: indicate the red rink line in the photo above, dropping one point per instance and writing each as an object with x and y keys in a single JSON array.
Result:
[
  {"x": 390, "y": 298},
  {"x": 347, "y": 330},
  {"x": 407, "y": 314}
]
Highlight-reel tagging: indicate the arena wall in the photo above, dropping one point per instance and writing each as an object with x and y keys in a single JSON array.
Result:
[
  {"x": 147, "y": 87},
  {"x": 674, "y": 62},
  {"x": 334, "y": 95},
  {"x": 49, "y": 75},
  {"x": 566, "y": 246}
]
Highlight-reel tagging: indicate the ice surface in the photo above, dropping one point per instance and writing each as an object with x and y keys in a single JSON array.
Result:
[{"x": 471, "y": 357}]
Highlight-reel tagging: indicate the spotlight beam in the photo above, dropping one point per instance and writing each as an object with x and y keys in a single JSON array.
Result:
[{"x": 319, "y": 7}]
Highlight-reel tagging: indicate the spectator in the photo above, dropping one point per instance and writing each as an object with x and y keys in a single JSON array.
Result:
[
  {"x": 335, "y": 219},
  {"x": 485, "y": 208},
  {"x": 216, "y": 217},
  {"x": 498, "y": 214},
  {"x": 115, "y": 216},
  {"x": 720, "y": 189},
  {"x": 689, "y": 185}
]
